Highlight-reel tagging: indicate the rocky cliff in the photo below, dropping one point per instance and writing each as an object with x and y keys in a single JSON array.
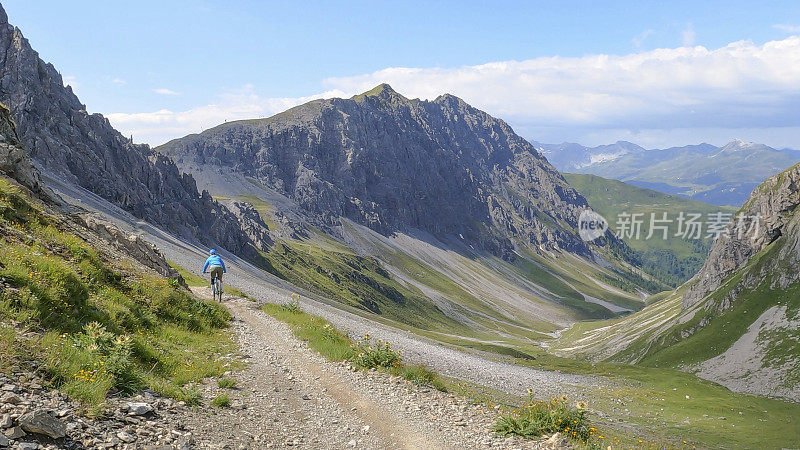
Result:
[
  {"x": 774, "y": 204},
  {"x": 15, "y": 161},
  {"x": 393, "y": 163},
  {"x": 86, "y": 150}
]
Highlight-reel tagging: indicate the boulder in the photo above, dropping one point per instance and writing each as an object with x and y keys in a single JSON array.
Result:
[
  {"x": 43, "y": 422},
  {"x": 138, "y": 408}
]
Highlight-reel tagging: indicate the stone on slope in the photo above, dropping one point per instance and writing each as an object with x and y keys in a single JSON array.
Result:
[
  {"x": 42, "y": 422},
  {"x": 138, "y": 408}
]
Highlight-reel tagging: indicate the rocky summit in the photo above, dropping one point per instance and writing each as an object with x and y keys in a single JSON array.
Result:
[
  {"x": 393, "y": 163},
  {"x": 84, "y": 149}
]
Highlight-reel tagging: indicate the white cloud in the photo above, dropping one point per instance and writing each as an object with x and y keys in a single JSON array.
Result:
[
  {"x": 741, "y": 85},
  {"x": 787, "y": 28},
  {"x": 687, "y": 36},
  {"x": 119, "y": 81},
  {"x": 609, "y": 89},
  {"x": 160, "y": 126},
  {"x": 639, "y": 40},
  {"x": 165, "y": 91}
]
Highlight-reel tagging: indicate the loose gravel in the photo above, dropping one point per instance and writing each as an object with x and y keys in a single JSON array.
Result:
[{"x": 289, "y": 396}]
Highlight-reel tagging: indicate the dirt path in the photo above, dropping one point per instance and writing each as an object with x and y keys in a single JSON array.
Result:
[{"x": 289, "y": 396}]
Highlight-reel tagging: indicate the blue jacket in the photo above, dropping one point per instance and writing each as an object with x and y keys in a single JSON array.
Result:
[{"x": 214, "y": 260}]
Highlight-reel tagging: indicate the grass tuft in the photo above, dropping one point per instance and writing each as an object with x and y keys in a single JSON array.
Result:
[
  {"x": 380, "y": 355},
  {"x": 221, "y": 401},
  {"x": 226, "y": 383}
]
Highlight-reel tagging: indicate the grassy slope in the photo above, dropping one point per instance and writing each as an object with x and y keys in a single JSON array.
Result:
[
  {"x": 599, "y": 340},
  {"x": 666, "y": 349},
  {"x": 673, "y": 260},
  {"x": 358, "y": 282},
  {"x": 654, "y": 401},
  {"x": 98, "y": 325},
  {"x": 672, "y": 350},
  {"x": 335, "y": 271}
]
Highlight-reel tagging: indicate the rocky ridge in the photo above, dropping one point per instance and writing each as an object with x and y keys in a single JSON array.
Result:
[
  {"x": 392, "y": 163},
  {"x": 84, "y": 149},
  {"x": 17, "y": 165},
  {"x": 14, "y": 160}
]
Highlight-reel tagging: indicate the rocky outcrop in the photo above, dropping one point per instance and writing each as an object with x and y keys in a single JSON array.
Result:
[
  {"x": 392, "y": 163},
  {"x": 252, "y": 224},
  {"x": 14, "y": 160},
  {"x": 16, "y": 164},
  {"x": 85, "y": 150},
  {"x": 130, "y": 244},
  {"x": 775, "y": 202}
]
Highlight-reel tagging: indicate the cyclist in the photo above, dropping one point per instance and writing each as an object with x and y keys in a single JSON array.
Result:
[{"x": 216, "y": 266}]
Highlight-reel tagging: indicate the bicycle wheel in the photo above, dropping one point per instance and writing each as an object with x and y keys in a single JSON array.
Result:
[{"x": 218, "y": 286}]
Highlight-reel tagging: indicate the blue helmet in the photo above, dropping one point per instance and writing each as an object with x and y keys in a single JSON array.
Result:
[{"x": 212, "y": 252}]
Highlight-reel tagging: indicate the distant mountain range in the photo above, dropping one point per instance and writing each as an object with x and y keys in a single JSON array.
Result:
[{"x": 717, "y": 175}]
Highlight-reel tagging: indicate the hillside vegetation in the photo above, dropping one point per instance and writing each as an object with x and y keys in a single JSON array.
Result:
[
  {"x": 94, "y": 322},
  {"x": 673, "y": 260},
  {"x": 736, "y": 321}
]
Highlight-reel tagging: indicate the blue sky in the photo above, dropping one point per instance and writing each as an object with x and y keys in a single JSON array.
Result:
[{"x": 656, "y": 73}]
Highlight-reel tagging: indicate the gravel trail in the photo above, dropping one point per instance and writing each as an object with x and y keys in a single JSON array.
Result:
[{"x": 289, "y": 396}]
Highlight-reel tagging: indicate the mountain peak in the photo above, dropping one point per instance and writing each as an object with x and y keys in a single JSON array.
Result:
[
  {"x": 740, "y": 144},
  {"x": 448, "y": 98},
  {"x": 382, "y": 91}
]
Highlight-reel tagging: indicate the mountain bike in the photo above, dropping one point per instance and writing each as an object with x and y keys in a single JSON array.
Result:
[{"x": 216, "y": 289}]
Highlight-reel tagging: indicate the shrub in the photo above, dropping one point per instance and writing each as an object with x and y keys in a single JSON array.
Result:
[
  {"x": 537, "y": 418},
  {"x": 378, "y": 356},
  {"x": 294, "y": 305}
]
